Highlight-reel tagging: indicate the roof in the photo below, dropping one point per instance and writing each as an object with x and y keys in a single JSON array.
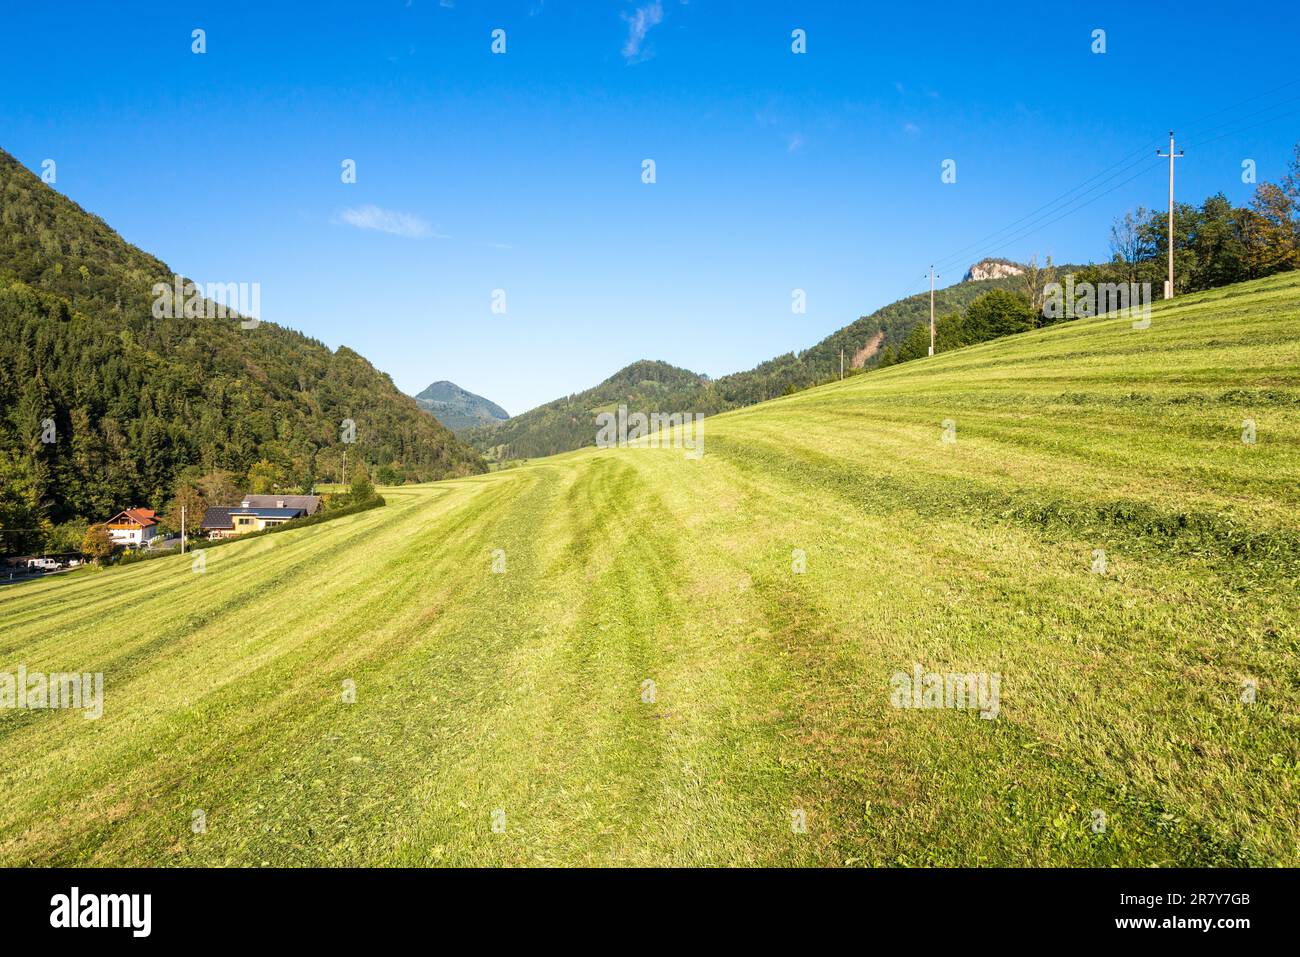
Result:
[
  {"x": 220, "y": 516},
  {"x": 269, "y": 512},
  {"x": 216, "y": 517},
  {"x": 144, "y": 517},
  {"x": 308, "y": 503}
]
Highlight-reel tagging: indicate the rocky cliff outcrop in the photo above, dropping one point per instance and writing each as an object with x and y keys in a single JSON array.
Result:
[{"x": 993, "y": 269}]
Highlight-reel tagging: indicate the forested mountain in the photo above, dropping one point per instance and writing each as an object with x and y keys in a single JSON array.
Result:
[
  {"x": 458, "y": 408},
  {"x": 569, "y": 422},
  {"x": 103, "y": 405}
]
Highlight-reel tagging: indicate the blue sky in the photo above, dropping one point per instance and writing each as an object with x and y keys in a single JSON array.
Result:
[{"x": 522, "y": 171}]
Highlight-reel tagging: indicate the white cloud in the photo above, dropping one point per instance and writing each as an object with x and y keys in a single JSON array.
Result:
[
  {"x": 638, "y": 25},
  {"x": 911, "y": 128},
  {"x": 794, "y": 143},
  {"x": 387, "y": 221}
]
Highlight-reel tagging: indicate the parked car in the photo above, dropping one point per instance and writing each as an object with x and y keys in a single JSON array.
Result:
[{"x": 45, "y": 564}]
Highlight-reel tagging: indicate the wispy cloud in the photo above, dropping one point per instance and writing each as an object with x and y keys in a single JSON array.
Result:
[
  {"x": 794, "y": 143},
  {"x": 387, "y": 221},
  {"x": 638, "y": 25},
  {"x": 911, "y": 128}
]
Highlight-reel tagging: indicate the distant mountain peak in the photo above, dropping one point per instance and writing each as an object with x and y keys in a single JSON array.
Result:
[
  {"x": 458, "y": 408},
  {"x": 652, "y": 370}
]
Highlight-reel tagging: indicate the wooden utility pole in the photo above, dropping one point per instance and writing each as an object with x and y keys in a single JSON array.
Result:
[
  {"x": 1169, "y": 283},
  {"x": 345, "y": 466},
  {"x": 931, "y": 310},
  {"x": 841, "y": 365},
  {"x": 182, "y": 529}
]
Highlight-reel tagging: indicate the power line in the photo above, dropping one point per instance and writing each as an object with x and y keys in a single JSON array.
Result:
[
  {"x": 1070, "y": 208},
  {"x": 1070, "y": 212},
  {"x": 1127, "y": 162},
  {"x": 1017, "y": 231},
  {"x": 1238, "y": 119},
  {"x": 1253, "y": 126},
  {"x": 1032, "y": 222},
  {"x": 1030, "y": 227},
  {"x": 1249, "y": 99}
]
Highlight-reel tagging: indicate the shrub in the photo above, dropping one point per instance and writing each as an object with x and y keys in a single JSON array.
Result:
[{"x": 998, "y": 313}]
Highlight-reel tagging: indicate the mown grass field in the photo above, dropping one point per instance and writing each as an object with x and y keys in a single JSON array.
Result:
[{"x": 523, "y": 692}]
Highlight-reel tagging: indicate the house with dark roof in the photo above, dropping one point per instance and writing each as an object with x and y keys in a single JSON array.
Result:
[
  {"x": 216, "y": 522},
  {"x": 226, "y": 522},
  {"x": 133, "y": 527},
  {"x": 308, "y": 503}
]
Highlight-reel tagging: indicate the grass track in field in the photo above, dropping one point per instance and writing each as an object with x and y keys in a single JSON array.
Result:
[{"x": 523, "y": 691}]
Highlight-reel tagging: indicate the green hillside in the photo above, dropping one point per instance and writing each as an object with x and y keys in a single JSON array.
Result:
[
  {"x": 568, "y": 423},
  {"x": 458, "y": 408},
  {"x": 136, "y": 399},
  {"x": 1159, "y": 691}
]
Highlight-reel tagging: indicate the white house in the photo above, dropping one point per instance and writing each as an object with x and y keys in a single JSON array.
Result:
[{"x": 134, "y": 526}]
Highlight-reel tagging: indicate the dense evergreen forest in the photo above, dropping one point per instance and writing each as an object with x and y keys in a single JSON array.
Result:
[{"x": 104, "y": 406}]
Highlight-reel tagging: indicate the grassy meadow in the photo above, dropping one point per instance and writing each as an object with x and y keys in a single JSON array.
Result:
[{"x": 517, "y": 698}]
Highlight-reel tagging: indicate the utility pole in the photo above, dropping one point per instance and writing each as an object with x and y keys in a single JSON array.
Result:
[
  {"x": 345, "y": 466},
  {"x": 1169, "y": 283},
  {"x": 931, "y": 310},
  {"x": 841, "y": 365},
  {"x": 182, "y": 529}
]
